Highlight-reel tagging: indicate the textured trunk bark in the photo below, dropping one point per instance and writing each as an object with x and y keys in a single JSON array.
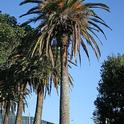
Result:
[
  {"x": 19, "y": 111},
  {"x": 39, "y": 106},
  {"x": 64, "y": 87},
  {"x": 6, "y": 115},
  {"x": 21, "y": 89}
]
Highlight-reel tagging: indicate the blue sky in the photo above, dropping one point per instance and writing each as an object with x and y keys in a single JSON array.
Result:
[{"x": 87, "y": 76}]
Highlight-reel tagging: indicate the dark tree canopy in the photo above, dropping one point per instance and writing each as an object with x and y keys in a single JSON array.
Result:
[
  {"x": 12, "y": 38},
  {"x": 10, "y": 35},
  {"x": 110, "y": 101},
  {"x": 5, "y": 18},
  {"x": 15, "y": 65}
]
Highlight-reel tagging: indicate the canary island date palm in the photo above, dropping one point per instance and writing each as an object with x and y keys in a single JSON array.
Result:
[
  {"x": 18, "y": 80},
  {"x": 42, "y": 78},
  {"x": 9, "y": 96},
  {"x": 67, "y": 24},
  {"x": 39, "y": 73}
]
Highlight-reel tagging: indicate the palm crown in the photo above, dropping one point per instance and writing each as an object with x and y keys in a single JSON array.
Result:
[{"x": 74, "y": 18}]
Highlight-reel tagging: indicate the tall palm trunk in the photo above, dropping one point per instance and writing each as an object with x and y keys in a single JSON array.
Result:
[
  {"x": 7, "y": 112},
  {"x": 21, "y": 90},
  {"x": 19, "y": 111},
  {"x": 39, "y": 106},
  {"x": 64, "y": 87}
]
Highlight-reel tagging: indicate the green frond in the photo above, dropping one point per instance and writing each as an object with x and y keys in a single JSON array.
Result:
[
  {"x": 91, "y": 30},
  {"x": 33, "y": 9},
  {"x": 85, "y": 48},
  {"x": 71, "y": 62},
  {"x": 29, "y": 13},
  {"x": 77, "y": 19},
  {"x": 97, "y": 5},
  {"x": 70, "y": 80},
  {"x": 95, "y": 44},
  {"x": 51, "y": 56},
  {"x": 30, "y": 1},
  {"x": 95, "y": 25},
  {"x": 28, "y": 21},
  {"x": 90, "y": 41},
  {"x": 101, "y": 22},
  {"x": 39, "y": 41}
]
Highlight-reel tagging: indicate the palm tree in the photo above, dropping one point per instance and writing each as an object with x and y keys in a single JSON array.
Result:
[
  {"x": 66, "y": 24},
  {"x": 12, "y": 94},
  {"x": 12, "y": 39},
  {"x": 42, "y": 76},
  {"x": 39, "y": 73},
  {"x": 8, "y": 97},
  {"x": 22, "y": 93},
  {"x": 18, "y": 81},
  {"x": 19, "y": 110}
]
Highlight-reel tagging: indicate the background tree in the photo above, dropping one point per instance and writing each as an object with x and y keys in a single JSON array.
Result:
[
  {"x": 43, "y": 77},
  {"x": 65, "y": 24},
  {"x": 110, "y": 101},
  {"x": 39, "y": 73},
  {"x": 9, "y": 95},
  {"x": 10, "y": 36}
]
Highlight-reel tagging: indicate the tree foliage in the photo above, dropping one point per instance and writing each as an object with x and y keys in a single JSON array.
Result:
[
  {"x": 76, "y": 19},
  {"x": 10, "y": 36},
  {"x": 18, "y": 70},
  {"x": 110, "y": 101}
]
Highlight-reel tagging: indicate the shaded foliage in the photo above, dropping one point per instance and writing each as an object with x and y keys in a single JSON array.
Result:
[
  {"x": 10, "y": 36},
  {"x": 110, "y": 101}
]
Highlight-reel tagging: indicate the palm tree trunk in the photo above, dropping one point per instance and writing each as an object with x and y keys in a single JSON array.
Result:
[
  {"x": 64, "y": 87},
  {"x": 39, "y": 106},
  {"x": 21, "y": 90},
  {"x": 19, "y": 111},
  {"x": 6, "y": 115}
]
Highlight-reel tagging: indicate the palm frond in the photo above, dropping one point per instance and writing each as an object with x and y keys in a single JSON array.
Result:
[
  {"x": 97, "y": 5},
  {"x": 90, "y": 41},
  {"x": 85, "y": 48},
  {"x": 95, "y": 25},
  {"x": 29, "y": 13},
  {"x": 30, "y": 1},
  {"x": 98, "y": 21},
  {"x": 90, "y": 30}
]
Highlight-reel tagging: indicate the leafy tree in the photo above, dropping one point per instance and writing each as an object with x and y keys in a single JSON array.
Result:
[
  {"x": 65, "y": 24},
  {"x": 5, "y": 18},
  {"x": 10, "y": 36},
  {"x": 110, "y": 101}
]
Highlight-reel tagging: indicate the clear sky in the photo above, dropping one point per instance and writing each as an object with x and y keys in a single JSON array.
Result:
[{"x": 87, "y": 76}]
